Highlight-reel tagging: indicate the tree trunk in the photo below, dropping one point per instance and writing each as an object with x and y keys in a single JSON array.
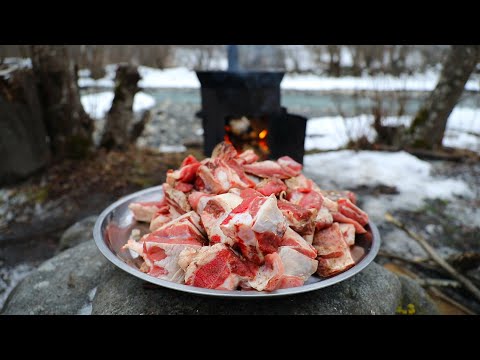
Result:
[
  {"x": 117, "y": 132},
  {"x": 23, "y": 137},
  {"x": 334, "y": 64},
  {"x": 428, "y": 126},
  {"x": 68, "y": 126}
]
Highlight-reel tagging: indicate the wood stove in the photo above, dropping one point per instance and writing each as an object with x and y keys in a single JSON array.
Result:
[{"x": 244, "y": 108}]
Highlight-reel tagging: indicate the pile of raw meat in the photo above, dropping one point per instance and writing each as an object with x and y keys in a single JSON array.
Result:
[{"x": 231, "y": 222}]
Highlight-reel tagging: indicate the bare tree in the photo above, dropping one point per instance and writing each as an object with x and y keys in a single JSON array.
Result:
[
  {"x": 428, "y": 126},
  {"x": 334, "y": 68},
  {"x": 120, "y": 117},
  {"x": 68, "y": 126}
]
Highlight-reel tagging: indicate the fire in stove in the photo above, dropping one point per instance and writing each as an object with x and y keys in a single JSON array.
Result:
[{"x": 246, "y": 133}]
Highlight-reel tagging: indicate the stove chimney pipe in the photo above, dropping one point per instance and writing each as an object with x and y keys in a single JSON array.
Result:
[{"x": 232, "y": 52}]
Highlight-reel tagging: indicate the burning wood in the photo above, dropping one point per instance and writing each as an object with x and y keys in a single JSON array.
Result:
[{"x": 245, "y": 133}]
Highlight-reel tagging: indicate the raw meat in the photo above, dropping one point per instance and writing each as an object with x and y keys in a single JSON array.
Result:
[
  {"x": 145, "y": 211},
  {"x": 161, "y": 248},
  {"x": 284, "y": 168},
  {"x": 348, "y": 232},
  {"x": 256, "y": 227},
  {"x": 216, "y": 267},
  {"x": 297, "y": 267},
  {"x": 214, "y": 212},
  {"x": 271, "y": 186}
]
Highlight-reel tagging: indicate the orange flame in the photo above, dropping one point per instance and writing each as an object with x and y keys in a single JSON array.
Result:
[{"x": 263, "y": 134}]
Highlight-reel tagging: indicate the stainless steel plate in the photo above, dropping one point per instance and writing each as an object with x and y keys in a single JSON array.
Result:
[{"x": 115, "y": 223}]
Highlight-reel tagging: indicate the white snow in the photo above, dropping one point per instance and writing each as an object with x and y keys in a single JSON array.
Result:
[
  {"x": 179, "y": 77},
  {"x": 172, "y": 148},
  {"x": 182, "y": 77},
  {"x": 334, "y": 132},
  {"x": 410, "y": 175},
  {"x": 98, "y": 104},
  {"x": 107, "y": 81},
  {"x": 417, "y": 82}
]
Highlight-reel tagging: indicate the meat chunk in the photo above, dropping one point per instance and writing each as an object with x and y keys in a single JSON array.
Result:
[
  {"x": 161, "y": 249},
  {"x": 271, "y": 186},
  {"x": 324, "y": 218},
  {"x": 216, "y": 267},
  {"x": 144, "y": 211},
  {"x": 340, "y": 218},
  {"x": 214, "y": 212},
  {"x": 331, "y": 266},
  {"x": 186, "y": 175},
  {"x": 333, "y": 252},
  {"x": 334, "y": 195},
  {"x": 218, "y": 176},
  {"x": 247, "y": 157},
  {"x": 284, "y": 168},
  {"x": 329, "y": 242},
  {"x": 348, "y": 232},
  {"x": 224, "y": 151},
  {"x": 289, "y": 165},
  {"x": 194, "y": 199},
  {"x": 177, "y": 199},
  {"x": 297, "y": 267},
  {"x": 257, "y": 227},
  {"x": 304, "y": 193},
  {"x": 176, "y": 204},
  {"x": 164, "y": 215},
  {"x": 307, "y": 200},
  {"x": 268, "y": 276},
  {"x": 350, "y": 210},
  {"x": 296, "y": 242},
  {"x": 298, "y": 218}
]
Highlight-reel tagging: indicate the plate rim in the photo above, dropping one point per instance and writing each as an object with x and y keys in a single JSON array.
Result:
[{"x": 113, "y": 258}]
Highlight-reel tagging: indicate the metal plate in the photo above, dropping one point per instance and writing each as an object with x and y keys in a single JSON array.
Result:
[{"x": 115, "y": 223}]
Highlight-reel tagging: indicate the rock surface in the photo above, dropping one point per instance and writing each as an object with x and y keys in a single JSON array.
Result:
[
  {"x": 69, "y": 282},
  {"x": 21, "y": 123},
  {"x": 373, "y": 291},
  {"x": 77, "y": 233},
  {"x": 413, "y": 294},
  {"x": 61, "y": 285}
]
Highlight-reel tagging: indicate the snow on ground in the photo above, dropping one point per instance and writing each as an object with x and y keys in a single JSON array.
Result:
[
  {"x": 10, "y": 277},
  {"x": 417, "y": 82},
  {"x": 181, "y": 77},
  {"x": 333, "y": 132},
  {"x": 98, "y": 104},
  {"x": 347, "y": 169}
]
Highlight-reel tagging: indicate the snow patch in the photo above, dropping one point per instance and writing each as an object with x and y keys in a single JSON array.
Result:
[
  {"x": 97, "y": 105},
  {"x": 172, "y": 148},
  {"x": 179, "y": 77},
  {"x": 182, "y": 77},
  {"x": 417, "y": 82},
  {"x": 410, "y": 175},
  {"x": 334, "y": 132}
]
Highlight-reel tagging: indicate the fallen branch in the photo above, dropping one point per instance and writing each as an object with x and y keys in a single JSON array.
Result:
[
  {"x": 438, "y": 282},
  {"x": 434, "y": 255},
  {"x": 449, "y": 300},
  {"x": 422, "y": 262}
]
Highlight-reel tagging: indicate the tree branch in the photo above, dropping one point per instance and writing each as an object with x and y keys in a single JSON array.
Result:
[{"x": 434, "y": 255}]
